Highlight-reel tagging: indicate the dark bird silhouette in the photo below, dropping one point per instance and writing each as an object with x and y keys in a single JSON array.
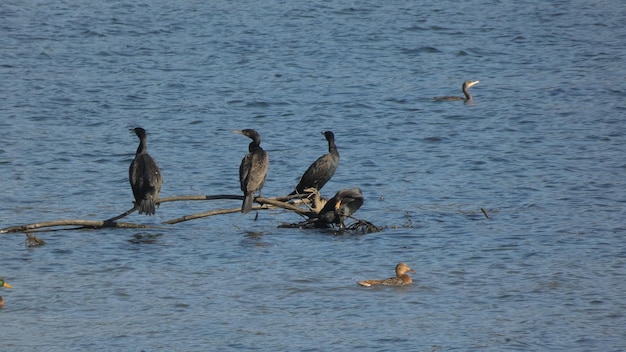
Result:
[
  {"x": 322, "y": 170},
  {"x": 401, "y": 279},
  {"x": 253, "y": 169},
  {"x": 145, "y": 177},
  {"x": 465, "y": 88},
  {"x": 340, "y": 207}
]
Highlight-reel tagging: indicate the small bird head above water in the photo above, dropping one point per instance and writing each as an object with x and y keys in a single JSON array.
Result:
[
  {"x": 4, "y": 283},
  {"x": 468, "y": 84},
  {"x": 402, "y": 268}
]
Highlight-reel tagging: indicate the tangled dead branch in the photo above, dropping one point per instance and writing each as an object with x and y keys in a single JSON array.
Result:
[{"x": 293, "y": 203}]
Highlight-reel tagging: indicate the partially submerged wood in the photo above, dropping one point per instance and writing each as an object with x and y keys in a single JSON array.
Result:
[
  {"x": 94, "y": 224},
  {"x": 293, "y": 203}
]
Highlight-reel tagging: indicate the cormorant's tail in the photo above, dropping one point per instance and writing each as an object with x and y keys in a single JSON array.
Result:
[
  {"x": 247, "y": 203},
  {"x": 147, "y": 206}
]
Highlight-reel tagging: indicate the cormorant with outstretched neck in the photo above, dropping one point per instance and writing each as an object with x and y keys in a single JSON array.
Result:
[
  {"x": 145, "y": 177},
  {"x": 322, "y": 170},
  {"x": 466, "y": 86},
  {"x": 253, "y": 169},
  {"x": 340, "y": 207}
]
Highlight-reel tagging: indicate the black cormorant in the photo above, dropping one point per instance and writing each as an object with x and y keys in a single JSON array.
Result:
[
  {"x": 253, "y": 169},
  {"x": 466, "y": 86},
  {"x": 345, "y": 203},
  {"x": 145, "y": 177},
  {"x": 322, "y": 170}
]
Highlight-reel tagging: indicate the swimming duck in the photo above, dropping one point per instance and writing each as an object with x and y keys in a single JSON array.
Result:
[
  {"x": 6, "y": 285},
  {"x": 401, "y": 279}
]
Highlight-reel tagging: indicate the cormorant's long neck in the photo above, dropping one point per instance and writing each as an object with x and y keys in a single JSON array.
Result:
[
  {"x": 332, "y": 148},
  {"x": 142, "y": 149},
  {"x": 254, "y": 146},
  {"x": 466, "y": 92}
]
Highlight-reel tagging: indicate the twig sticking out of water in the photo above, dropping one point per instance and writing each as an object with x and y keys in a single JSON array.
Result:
[
  {"x": 34, "y": 241},
  {"x": 484, "y": 212}
]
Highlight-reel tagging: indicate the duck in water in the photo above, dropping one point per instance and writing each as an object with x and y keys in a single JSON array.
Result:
[
  {"x": 401, "y": 279},
  {"x": 5, "y": 285}
]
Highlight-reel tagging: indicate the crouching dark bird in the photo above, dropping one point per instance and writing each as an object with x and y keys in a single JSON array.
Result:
[
  {"x": 340, "y": 207},
  {"x": 145, "y": 177},
  {"x": 253, "y": 169},
  {"x": 322, "y": 170}
]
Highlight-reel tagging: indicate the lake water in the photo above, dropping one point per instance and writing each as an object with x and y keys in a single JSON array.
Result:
[{"x": 542, "y": 149}]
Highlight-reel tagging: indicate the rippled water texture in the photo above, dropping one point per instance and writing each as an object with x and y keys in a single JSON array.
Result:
[{"x": 541, "y": 149}]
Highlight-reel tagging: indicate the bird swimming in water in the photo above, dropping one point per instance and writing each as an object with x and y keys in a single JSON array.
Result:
[
  {"x": 401, "y": 279},
  {"x": 5, "y": 285},
  {"x": 340, "y": 207},
  {"x": 322, "y": 170},
  {"x": 466, "y": 86},
  {"x": 253, "y": 169},
  {"x": 145, "y": 177}
]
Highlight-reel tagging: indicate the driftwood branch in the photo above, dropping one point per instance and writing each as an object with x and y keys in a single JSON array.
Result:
[
  {"x": 265, "y": 203},
  {"x": 82, "y": 223}
]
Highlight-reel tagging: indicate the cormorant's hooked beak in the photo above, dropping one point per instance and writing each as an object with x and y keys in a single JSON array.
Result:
[{"x": 472, "y": 83}]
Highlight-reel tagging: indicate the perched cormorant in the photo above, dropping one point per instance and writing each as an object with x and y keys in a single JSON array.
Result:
[
  {"x": 322, "y": 169},
  {"x": 345, "y": 203},
  {"x": 466, "y": 86},
  {"x": 253, "y": 169},
  {"x": 5, "y": 285},
  {"x": 145, "y": 177},
  {"x": 401, "y": 279}
]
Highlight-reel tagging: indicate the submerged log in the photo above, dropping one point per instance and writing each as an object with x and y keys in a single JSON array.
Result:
[{"x": 81, "y": 223}]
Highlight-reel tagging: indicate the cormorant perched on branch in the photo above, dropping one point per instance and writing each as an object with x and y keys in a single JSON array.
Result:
[
  {"x": 145, "y": 177},
  {"x": 322, "y": 170},
  {"x": 345, "y": 203},
  {"x": 466, "y": 86},
  {"x": 253, "y": 169}
]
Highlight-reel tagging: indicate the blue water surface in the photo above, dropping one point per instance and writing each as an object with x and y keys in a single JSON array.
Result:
[{"x": 541, "y": 150}]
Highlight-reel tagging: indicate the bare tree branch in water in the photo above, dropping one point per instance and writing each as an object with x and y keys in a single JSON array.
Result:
[
  {"x": 94, "y": 224},
  {"x": 266, "y": 203}
]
